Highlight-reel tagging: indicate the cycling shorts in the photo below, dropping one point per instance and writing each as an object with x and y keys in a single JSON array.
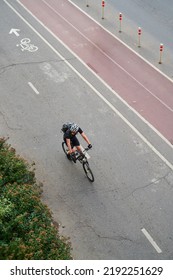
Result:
[{"x": 74, "y": 141}]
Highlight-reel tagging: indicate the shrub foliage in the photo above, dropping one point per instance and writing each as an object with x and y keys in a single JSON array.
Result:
[{"x": 27, "y": 231}]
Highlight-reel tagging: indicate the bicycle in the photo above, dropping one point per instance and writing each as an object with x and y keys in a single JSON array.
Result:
[
  {"x": 82, "y": 159},
  {"x": 26, "y": 45}
]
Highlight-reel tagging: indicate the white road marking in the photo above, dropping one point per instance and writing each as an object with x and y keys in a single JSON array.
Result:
[
  {"x": 26, "y": 45},
  {"x": 33, "y": 87},
  {"x": 53, "y": 74},
  {"x": 94, "y": 89},
  {"x": 151, "y": 240},
  {"x": 15, "y": 31}
]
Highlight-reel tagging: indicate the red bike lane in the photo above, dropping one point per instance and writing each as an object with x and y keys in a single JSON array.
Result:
[{"x": 145, "y": 89}]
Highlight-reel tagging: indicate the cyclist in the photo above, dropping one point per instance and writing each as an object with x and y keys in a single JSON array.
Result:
[{"x": 70, "y": 130}]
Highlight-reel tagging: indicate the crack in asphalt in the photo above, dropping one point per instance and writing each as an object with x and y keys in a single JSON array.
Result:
[
  {"x": 168, "y": 180},
  {"x": 6, "y": 123},
  {"x": 116, "y": 238},
  {"x": 8, "y": 67},
  {"x": 152, "y": 183},
  {"x": 83, "y": 224}
]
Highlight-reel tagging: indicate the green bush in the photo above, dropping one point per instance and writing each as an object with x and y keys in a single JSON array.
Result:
[{"x": 27, "y": 231}]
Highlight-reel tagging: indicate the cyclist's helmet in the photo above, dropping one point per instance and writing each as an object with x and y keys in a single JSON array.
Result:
[
  {"x": 66, "y": 126},
  {"x": 74, "y": 128}
]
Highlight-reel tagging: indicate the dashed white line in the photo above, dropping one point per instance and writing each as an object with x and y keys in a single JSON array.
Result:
[
  {"x": 151, "y": 240},
  {"x": 33, "y": 87}
]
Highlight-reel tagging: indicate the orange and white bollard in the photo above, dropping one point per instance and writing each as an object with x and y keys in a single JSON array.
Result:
[
  {"x": 120, "y": 20},
  {"x": 139, "y": 37},
  {"x": 103, "y": 6},
  {"x": 161, "y": 51}
]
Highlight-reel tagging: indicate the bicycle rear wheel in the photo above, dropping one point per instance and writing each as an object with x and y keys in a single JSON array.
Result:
[{"x": 88, "y": 171}]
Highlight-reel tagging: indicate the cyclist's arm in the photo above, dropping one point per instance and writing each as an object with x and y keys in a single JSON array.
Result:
[{"x": 85, "y": 138}]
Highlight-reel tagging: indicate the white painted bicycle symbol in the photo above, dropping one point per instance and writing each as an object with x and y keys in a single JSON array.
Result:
[{"x": 26, "y": 46}]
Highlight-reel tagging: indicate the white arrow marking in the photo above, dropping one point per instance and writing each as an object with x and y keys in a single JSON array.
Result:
[{"x": 15, "y": 31}]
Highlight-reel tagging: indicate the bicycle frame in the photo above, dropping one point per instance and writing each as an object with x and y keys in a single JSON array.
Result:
[
  {"x": 83, "y": 160},
  {"x": 79, "y": 156}
]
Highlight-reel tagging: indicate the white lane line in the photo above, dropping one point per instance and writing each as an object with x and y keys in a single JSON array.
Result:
[
  {"x": 112, "y": 60},
  {"x": 151, "y": 240},
  {"x": 33, "y": 87},
  {"x": 92, "y": 87}
]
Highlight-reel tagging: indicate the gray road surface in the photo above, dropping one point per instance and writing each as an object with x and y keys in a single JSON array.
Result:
[{"x": 133, "y": 187}]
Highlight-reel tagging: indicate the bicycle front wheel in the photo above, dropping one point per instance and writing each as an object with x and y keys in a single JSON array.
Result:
[
  {"x": 32, "y": 48},
  {"x": 88, "y": 171}
]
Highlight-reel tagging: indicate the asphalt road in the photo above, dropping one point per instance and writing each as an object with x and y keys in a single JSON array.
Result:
[{"x": 133, "y": 166}]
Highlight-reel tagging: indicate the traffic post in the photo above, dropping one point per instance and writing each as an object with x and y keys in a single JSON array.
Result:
[
  {"x": 120, "y": 20},
  {"x": 161, "y": 51},
  {"x": 103, "y": 6},
  {"x": 139, "y": 37},
  {"x": 87, "y": 4}
]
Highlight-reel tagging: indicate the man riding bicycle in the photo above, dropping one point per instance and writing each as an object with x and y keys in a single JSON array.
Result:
[{"x": 70, "y": 130}]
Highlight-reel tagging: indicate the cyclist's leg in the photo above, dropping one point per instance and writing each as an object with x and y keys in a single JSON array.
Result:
[
  {"x": 76, "y": 144},
  {"x": 78, "y": 147},
  {"x": 72, "y": 145}
]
